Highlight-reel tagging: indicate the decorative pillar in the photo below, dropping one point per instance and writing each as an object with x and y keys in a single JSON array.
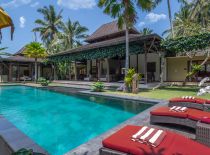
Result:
[
  {"x": 70, "y": 71},
  {"x": 107, "y": 70},
  {"x": 10, "y": 73},
  {"x": 75, "y": 71},
  {"x": 18, "y": 70},
  {"x": 145, "y": 64},
  {"x": 99, "y": 69}
]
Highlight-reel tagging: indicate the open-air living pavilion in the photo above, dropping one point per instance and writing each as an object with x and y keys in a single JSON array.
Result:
[
  {"x": 103, "y": 57},
  {"x": 18, "y": 68}
]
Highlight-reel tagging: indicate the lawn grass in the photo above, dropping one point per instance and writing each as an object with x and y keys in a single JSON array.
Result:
[{"x": 164, "y": 93}]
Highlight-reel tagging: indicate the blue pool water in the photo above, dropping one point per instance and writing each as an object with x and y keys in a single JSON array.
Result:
[{"x": 59, "y": 122}]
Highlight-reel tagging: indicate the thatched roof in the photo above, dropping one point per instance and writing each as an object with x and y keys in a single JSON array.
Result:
[{"x": 109, "y": 30}]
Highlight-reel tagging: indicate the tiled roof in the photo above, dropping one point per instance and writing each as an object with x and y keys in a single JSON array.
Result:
[
  {"x": 108, "y": 29},
  {"x": 17, "y": 58}
]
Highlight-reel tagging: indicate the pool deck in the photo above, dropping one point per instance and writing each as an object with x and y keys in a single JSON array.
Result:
[{"x": 7, "y": 130}]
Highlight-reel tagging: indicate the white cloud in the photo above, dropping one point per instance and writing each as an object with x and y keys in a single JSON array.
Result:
[
  {"x": 34, "y": 4},
  {"x": 15, "y": 3},
  {"x": 141, "y": 24},
  {"x": 77, "y": 4},
  {"x": 22, "y": 21},
  {"x": 153, "y": 17}
]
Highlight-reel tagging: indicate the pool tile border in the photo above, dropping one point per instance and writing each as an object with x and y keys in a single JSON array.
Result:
[{"x": 13, "y": 139}]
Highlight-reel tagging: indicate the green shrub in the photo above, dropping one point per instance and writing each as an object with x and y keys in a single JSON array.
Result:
[
  {"x": 129, "y": 78},
  {"x": 43, "y": 81},
  {"x": 98, "y": 86}
]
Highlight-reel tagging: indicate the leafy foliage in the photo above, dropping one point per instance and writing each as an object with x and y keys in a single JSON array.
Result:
[
  {"x": 146, "y": 31},
  {"x": 108, "y": 52},
  {"x": 195, "y": 69},
  {"x": 49, "y": 26},
  {"x": 23, "y": 152},
  {"x": 35, "y": 50},
  {"x": 192, "y": 19},
  {"x": 43, "y": 81},
  {"x": 98, "y": 86},
  {"x": 62, "y": 69},
  {"x": 184, "y": 44},
  {"x": 72, "y": 34},
  {"x": 129, "y": 77}
]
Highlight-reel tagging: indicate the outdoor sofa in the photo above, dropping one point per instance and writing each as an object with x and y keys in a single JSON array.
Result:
[
  {"x": 191, "y": 102},
  {"x": 120, "y": 143},
  {"x": 196, "y": 119}
]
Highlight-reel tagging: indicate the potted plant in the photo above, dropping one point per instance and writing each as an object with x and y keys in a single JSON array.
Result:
[
  {"x": 43, "y": 81},
  {"x": 98, "y": 86}
]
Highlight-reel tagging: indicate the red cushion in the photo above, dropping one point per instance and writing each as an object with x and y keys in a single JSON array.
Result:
[
  {"x": 171, "y": 145},
  {"x": 179, "y": 99},
  {"x": 207, "y": 101},
  {"x": 197, "y": 114},
  {"x": 164, "y": 111},
  {"x": 205, "y": 120},
  {"x": 200, "y": 100}
]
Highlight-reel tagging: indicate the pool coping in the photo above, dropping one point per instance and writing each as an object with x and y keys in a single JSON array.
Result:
[
  {"x": 92, "y": 146},
  {"x": 14, "y": 139}
]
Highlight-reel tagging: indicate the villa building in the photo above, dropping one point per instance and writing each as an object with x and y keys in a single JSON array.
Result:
[
  {"x": 103, "y": 57},
  {"x": 18, "y": 68}
]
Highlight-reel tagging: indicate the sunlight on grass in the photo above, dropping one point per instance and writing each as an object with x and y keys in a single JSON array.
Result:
[{"x": 164, "y": 93}]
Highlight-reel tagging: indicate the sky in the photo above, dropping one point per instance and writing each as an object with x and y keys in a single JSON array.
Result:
[{"x": 24, "y": 13}]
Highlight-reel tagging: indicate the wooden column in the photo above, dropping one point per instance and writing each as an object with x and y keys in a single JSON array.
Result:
[
  {"x": 18, "y": 70},
  {"x": 70, "y": 71},
  {"x": 107, "y": 70},
  {"x": 145, "y": 63},
  {"x": 99, "y": 69},
  {"x": 30, "y": 70},
  {"x": 10, "y": 73},
  {"x": 75, "y": 71}
]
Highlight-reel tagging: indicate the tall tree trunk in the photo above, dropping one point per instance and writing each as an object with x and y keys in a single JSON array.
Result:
[
  {"x": 127, "y": 50},
  {"x": 170, "y": 18},
  {"x": 35, "y": 76}
]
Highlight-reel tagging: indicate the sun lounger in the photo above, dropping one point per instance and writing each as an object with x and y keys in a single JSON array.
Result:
[
  {"x": 120, "y": 143},
  {"x": 190, "y": 118},
  {"x": 190, "y": 102}
]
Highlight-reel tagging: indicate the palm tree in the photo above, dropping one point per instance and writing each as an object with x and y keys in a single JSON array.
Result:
[
  {"x": 125, "y": 11},
  {"x": 36, "y": 51},
  {"x": 185, "y": 2},
  {"x": 73, "y": 33},
  {"x": 201, "y": 11},
  {"x": 146, "y": 31},
  {"x": 50, "y": 25}
]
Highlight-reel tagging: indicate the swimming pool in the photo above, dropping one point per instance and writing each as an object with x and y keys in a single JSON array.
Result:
[{"x": 60, "y": 122}]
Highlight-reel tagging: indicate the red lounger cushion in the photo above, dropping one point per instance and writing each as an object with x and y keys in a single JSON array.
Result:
[
  {"x": 207, "y": 101},
  {"x": 200, "y": 101},
  {"x": 179, "y": 99},
  {"x": 197, "y": 114},
  {"x": 173, "y": 144},
  {"x": 164, "y": 111},
  {"x": 205, "y": 120},
  {"x": 196, "y": 100}
]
